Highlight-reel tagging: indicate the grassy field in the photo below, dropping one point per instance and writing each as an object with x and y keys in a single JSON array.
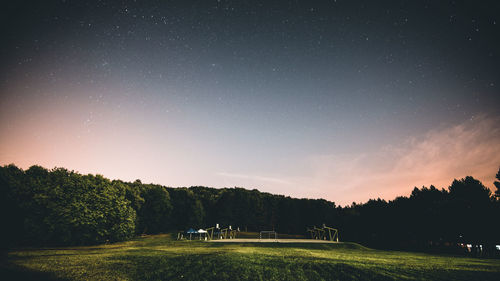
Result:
[{"x": 161, "y": 258}]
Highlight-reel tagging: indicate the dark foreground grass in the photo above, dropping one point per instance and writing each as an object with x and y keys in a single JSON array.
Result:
[{"x": 160, "y": 258}]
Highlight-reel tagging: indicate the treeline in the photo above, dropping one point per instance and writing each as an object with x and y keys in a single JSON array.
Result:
[{"x": 61, "y": 207}]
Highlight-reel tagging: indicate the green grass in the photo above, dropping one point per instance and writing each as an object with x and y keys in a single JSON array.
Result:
[{"x": 161, "y": 258}]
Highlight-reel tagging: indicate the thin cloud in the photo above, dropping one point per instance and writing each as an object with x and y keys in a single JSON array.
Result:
[{"x": 437, "y": 157}]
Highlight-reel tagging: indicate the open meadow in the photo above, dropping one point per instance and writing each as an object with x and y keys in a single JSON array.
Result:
[{"x": 160, "y": 257}]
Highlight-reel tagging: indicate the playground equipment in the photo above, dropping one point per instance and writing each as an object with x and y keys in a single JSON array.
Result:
[
  {"x": 191, "y": 232},
  {"x": 224, "y": 231},
  {"x": 316, "y": 233},
  {"x": 312, "y": 232},
  {"x": 333, "y": 234},
  {"x": 320, "y": 233},
  {"x": 324, "y": 233},
  {"x": 210, "y": 233},
  {"x": 202, "y": 234},
  {"x": 217, "y": 233},
  {"x": 268, "y": 233},
  {"x": 232, "y": 232}
]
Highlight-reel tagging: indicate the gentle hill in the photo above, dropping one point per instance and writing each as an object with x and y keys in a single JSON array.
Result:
[{"x": 159, "y": 257}]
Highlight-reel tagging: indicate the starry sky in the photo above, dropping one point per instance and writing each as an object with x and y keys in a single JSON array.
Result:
[{"x": 342, "y": 100}]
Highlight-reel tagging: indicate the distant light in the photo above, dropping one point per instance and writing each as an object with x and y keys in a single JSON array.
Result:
[{"x": 498, "y": 247}]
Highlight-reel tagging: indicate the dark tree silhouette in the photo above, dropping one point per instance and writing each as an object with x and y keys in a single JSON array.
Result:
[
  {"x": 48, "y": 207},
  {"x": 154, "y": 215},
  {"x": 497, "y": 184},
  {"x": 468, "y": 208}
]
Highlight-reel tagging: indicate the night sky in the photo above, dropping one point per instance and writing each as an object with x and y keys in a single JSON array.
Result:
[{"x": 342, "y": 100}]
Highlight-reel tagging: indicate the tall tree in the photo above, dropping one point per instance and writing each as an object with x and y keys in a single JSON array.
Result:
[
  {"x": 497, "y": 184},
  {"x": 155, "y": 212},
  {"x": 469, "y": 209}
]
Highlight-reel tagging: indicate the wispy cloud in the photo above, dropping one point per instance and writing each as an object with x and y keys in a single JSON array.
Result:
[{"x": 437, "y": 157}]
